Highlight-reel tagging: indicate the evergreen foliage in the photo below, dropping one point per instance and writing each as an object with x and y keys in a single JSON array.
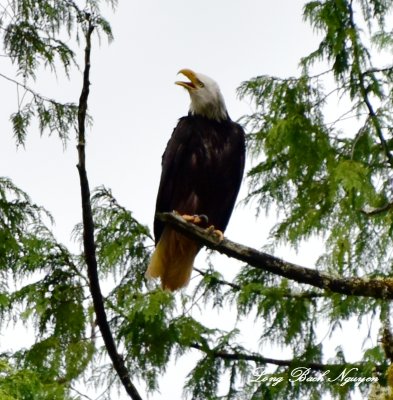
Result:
[{"x": 330, "y": 176}]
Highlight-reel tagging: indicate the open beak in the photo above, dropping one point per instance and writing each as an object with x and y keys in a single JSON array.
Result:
[{"x": 193, "y": 84}]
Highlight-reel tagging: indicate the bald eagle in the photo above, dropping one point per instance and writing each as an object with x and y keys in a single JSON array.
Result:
[{"x": 202, "y": 168}]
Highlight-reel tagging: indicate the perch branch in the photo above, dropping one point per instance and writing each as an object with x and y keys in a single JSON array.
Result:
[{"x": 379, "y": 288}]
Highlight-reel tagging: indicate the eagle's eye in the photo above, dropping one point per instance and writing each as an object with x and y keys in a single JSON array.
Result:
[{"x": 201, "y": 84}]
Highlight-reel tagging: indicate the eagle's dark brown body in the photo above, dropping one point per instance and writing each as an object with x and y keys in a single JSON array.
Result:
[{"x": 202, "y": 168}]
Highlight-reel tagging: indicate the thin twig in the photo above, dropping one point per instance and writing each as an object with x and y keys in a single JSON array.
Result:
[
  {"x": 32, "y": 91},
  {"x": 80, "y": 393},
  {"x": 219, "y": 281},
  {"x": 267, "y": 360},
  {"x": 289, "y": 294},
  {"x": 377, "y": 211},
  {"x": 88, "y": 230},
  {"x": 364, "y": 92}
]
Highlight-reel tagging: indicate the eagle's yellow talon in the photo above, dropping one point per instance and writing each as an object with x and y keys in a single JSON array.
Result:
[
  {"x": 200, "y": 220},
  {"x": 193, "y": 219},
  {"x": 215, "y": 232},
  {"x": 210, "y": 229}
]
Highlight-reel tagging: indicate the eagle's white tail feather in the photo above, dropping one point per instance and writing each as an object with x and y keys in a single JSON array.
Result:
[{"x": 173, "y": 260}]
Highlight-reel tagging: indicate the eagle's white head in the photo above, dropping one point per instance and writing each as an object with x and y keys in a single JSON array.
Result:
[{"x": 206, "y": 97}]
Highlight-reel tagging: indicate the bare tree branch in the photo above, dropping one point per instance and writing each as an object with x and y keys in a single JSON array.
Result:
[
  {"x": 378, "y": 210},
  {"x": 219, "y": 281},
  {"x": 88, "y": 230},
  {"x": 32, "y": 91},
  {"x": 378, "y": 288},
  {"x": 80, "y": 393},
  {"x": 365, "y": 93},
  {"x": 288, "y": 294},
  {"x": 267, "y": 360}
]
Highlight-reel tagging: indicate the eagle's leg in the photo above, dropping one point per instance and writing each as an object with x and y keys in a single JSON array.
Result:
[{"x": 200, "y": 220}]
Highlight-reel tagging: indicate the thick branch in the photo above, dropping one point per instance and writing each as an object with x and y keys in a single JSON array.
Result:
[
  {"x": 88, "y": 232},
  {"x": 379, "y": 288}
]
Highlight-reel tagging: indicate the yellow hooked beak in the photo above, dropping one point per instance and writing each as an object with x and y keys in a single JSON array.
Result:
[{"x": 194, "y": 83}]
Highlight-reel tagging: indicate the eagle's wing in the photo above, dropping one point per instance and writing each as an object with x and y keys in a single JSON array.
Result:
[
  {"x": 230, "y": 167},
  {"x": 174, "y": 180}
]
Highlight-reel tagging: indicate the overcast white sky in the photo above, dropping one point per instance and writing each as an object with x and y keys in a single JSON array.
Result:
[
  {"x": 135, "y": 106},
  {"x": 134, "y": 102}
]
